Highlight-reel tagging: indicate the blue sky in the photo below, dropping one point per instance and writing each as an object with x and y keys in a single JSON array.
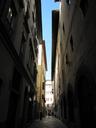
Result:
[{"x": 47, "y": 7}]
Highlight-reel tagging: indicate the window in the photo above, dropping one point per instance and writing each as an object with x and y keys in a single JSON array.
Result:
[
  {"x": 31, "y": 58},
  {"x": 21, "y": 3},
  {"x": 28, "y": 10},
  {"x": 23, "y": 45},
  {"x": 42, "y": 96},
  {"x": 26, "y": 25},
  {"x": 28, "y": 5},
  {"x": 63, "y": 28},
  {"x": 52, "y": 91},
  {"x": 67, "y": 59},
  {"x": 33, "y": 16},
  {"x": 11, "y": 14},
  {"x": 68, "y": 2},
  {"x": 31, "y": 50},
  {"x": 1, "y": 82},
  {"x": 71, "y": 43},
  {"x": 84, "y": 6},
  {"x": 43, "y": 86}
]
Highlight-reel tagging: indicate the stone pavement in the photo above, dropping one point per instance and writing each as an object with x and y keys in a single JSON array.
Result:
[{"x": 47, "y": 122}]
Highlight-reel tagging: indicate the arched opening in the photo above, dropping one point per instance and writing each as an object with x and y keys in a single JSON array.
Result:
[
  {"x": 70, "y": 103},
  {"x": 86, "y": 95}
]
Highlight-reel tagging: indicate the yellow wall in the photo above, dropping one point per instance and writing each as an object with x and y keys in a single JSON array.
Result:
[{"x": 40, "y": 80}]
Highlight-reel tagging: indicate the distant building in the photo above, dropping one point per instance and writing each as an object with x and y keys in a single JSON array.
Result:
[{"x": 49, "y": 96}]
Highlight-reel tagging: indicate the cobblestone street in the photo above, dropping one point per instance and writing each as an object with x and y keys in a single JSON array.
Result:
[{"x": 48, "y": 122}]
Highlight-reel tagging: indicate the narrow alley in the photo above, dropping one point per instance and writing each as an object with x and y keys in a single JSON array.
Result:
[
  {"x": 48, "y": 122},
  {"x": 47, "y": 64}
]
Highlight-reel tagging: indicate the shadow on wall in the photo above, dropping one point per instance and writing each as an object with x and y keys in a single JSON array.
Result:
[{"x": 85, "y": 90}]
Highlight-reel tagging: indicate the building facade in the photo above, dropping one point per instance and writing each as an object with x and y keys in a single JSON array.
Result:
[
  {"x": 77, "y": 76},
  {"x": 42, "y": 68},
  {"x": 49, "y": 97},
  {"x": 20, "y": 35},
  {"x": 56, "y": 59}
]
